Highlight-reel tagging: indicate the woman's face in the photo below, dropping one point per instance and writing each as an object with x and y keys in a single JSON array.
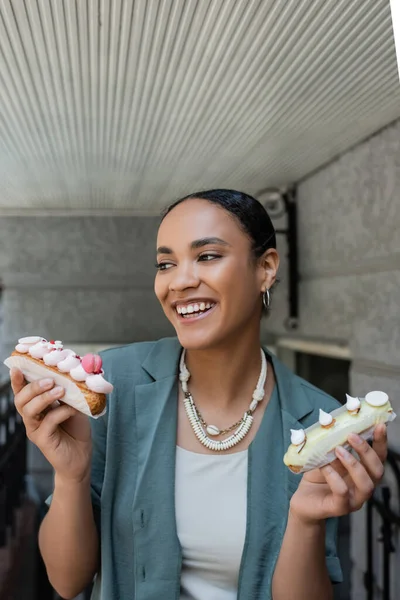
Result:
[{"x": 207, "y": 282}]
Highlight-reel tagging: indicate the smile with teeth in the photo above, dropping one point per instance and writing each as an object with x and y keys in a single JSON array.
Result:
[{"x": 191, "y": 310}]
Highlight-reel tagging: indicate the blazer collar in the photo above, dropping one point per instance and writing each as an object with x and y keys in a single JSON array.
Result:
[
  {"x": 292, "y": 394},
  {"x": 162, "y": 360}
]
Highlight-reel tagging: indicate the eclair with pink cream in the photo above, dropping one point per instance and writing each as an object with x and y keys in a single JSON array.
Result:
[{"x": 82, "y": 378}]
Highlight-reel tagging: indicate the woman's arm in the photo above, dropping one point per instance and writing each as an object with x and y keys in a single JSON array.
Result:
[
  {"x": 68, "y": 538},
  {"x": 301, "y": 572},
  {"x": 335, "y": 490}
]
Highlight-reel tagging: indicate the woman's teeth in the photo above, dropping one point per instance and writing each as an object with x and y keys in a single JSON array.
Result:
[{"x": 201, "y": 307}]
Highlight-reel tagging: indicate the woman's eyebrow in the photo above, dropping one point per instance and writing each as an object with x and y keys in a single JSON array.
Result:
[
  {"x": 207, "y": 241},
  {"x": 164, "y": 250},
  {"x": 196, "y": 244}
]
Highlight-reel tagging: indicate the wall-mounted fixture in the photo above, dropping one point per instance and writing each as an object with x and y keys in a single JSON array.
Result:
[{"x": 279, "y": 203}]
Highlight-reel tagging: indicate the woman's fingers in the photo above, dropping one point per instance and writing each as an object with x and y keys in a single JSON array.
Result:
[
  {"x": 380, "y": 441},
  {"x": 30, "y": 391},
  {"x": 340, "y": 491},
  {"x": 54, "y": 418},
  {"x": 363, "y": 484},
  {"x": 34, "y": 412},
  {"x": 369, "y": 457},
  {"x": 17, "y": 380}
]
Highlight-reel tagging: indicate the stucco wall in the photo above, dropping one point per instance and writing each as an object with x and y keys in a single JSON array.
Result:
[{"x": 349, "y": 251}]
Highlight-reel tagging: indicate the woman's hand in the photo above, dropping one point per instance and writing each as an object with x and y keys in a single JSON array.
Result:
[
  {"x": 343, "y": 486},
  {"x": 61, "y": 433}
]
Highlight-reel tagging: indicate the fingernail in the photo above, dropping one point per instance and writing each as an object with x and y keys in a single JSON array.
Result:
[
  {"x": 356, "y": 439},
  {"x": 328, "y": 469},
  {"x": 44, "y": 383},
  {"x": 56, "y": 391},
  {"x": 343, "y": 453}
]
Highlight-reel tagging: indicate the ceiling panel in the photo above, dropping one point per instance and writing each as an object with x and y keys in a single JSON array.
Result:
[{"x": 113, "y": 105}]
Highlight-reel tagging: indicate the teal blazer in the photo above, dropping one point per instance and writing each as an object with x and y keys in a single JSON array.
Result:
[{"x": 133, "y": 477}]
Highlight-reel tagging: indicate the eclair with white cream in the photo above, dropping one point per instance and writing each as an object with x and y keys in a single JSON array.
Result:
[{"x": 314, "y": 447}]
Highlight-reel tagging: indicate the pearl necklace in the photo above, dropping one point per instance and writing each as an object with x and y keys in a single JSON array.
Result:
[{"x": 201, "y": 428}]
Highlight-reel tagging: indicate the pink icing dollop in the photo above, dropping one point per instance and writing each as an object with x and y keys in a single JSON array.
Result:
[
  {"x": 39, "y": 350},
  {"x": 92, "y": 363},
  {"x": 54, "y": 357},
  {"x": 69, "y": 363},
  {"x": 97, "y": 383}
]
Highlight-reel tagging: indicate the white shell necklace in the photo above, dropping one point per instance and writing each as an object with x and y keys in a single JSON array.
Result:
[{"x": 201, "y": 428}]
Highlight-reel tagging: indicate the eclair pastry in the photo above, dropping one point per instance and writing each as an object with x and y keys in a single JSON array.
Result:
[
  {"x": 82, "y": 378},
  {"x": 314, "y": 447}
]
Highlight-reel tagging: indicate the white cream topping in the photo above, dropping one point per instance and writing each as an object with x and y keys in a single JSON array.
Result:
[
  {"x": 78, "y": 373},
  {"x": 39, "y": 350},
  {"x": 98, "y": 384},
  {"x": 54, "y": 357},
  {"x": 57, "y": 345},
  {"x": 27, "y": 342},
  {"x": 22, "y": 348},
  {"x": 325, "y": 418},
  {"x": 31, "y": 340},
  {"x": 352, "y": 403},
  {"x": 376, "y": 398},
  {"x": 69, "y": 363},
  {"x": 297, "y": 437},
  {"x": 53, "y": 354}
]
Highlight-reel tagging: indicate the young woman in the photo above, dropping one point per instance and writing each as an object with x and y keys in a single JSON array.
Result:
[{"x": 149, "y": 500}]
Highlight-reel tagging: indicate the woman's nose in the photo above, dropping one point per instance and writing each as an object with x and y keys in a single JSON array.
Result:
[{"x": 184, "y": 276}]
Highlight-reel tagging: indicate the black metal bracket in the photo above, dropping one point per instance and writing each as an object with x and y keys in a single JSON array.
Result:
[
  {"x": 278, "y": 204},
  {"x": 380, "y": 505}
]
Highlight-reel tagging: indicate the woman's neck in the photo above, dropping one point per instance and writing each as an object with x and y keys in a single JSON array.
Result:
[{"x": 225, "y": 375}]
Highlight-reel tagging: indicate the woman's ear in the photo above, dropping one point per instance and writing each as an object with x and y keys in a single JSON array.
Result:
[{"x": 269, "y": 265}]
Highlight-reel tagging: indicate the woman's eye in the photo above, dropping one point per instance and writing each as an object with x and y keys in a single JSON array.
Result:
[
  {"x": 163, "y": 266},
  {"x": 208, "y": 257}
]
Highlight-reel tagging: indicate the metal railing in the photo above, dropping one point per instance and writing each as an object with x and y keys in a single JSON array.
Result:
[
  {"x": 19, "y": 517},
  {"x": 381, "y": 507},
  {"x": 12, "y": 463},
  {"x": 12, "y": 488}
]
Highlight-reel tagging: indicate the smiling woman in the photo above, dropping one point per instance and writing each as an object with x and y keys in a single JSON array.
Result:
[
  {"x": 215, "y": 248},
  {"x": 181, "y": 491}
]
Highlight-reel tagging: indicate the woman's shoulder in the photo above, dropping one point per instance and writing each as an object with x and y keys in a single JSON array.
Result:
[
  {"x": 300, "y": 396},
  {"x": 318, "y": 397}
]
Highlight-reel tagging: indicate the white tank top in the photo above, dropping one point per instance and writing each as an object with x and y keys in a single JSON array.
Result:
[{"x": 210, "y": 505}]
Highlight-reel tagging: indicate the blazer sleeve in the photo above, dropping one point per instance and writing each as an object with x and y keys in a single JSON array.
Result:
[
  {"x": 332, "y": 560},
  {"x": 99, "y": 444},
  {"x": 320, "y": 399}
]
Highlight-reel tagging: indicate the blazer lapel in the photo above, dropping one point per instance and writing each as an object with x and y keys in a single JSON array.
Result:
[
  {"x": 270, "y": 484},
  {"x": 154, "y": 499}
]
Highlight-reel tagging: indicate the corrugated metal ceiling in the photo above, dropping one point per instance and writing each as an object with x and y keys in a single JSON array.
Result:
[{"x": 124, "y": 105}]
